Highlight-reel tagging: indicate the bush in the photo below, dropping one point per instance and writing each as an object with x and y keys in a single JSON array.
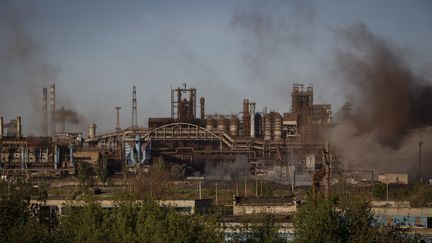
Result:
[{"x": 329, "y": 221}]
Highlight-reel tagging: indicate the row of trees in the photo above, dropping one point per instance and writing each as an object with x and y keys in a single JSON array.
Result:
[
  {"x": 129, "y": 221},
  {"x": 132, "y": 221},
  {"x": 334, "y": 220}
]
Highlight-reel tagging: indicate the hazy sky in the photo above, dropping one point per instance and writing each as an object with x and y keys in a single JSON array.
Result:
[{"x": 229, "y": 50}]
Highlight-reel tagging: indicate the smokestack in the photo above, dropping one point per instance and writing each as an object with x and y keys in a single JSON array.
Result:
[
  {"x": 179, "y": 104},
  {"x": 18, "y": 127},
  {"x": 246, "y": 119},
  {"x": 202, "y": 106},
  {"x": 1, "y": 127},
  {"x": 134, "y": 109},
  {"x": 118, "y": 118},
  {"x": 252, "y": 119},
  {"x": 92, "y": 131},
  {"x": 53, "y": 112},
  {"x": 45, "y": 112}
]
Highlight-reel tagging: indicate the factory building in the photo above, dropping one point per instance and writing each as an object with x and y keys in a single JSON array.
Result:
[{"x": 264, "y": 139}]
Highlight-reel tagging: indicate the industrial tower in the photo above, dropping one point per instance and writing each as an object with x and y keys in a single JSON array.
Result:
[{"x": 134, "y": 109}]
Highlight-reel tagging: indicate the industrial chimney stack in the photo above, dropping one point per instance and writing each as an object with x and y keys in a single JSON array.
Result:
[
  {"x": 1, "y": 128},
  {"x": 45, "y": 112},
  {"x": 202, "y": 115},
  {"x": 246, "y": 119},
  {"x": 118, "y": 128},
  {"x": 18, "y": 127},
  {"x": 53, "y": 112},
  {"x": 134, "y": 109},
  {"x": 252, "y": 119}
]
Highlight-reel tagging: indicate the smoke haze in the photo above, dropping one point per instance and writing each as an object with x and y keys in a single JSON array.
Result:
[
  {"x": 67, "y": 115},
  {"x": 22, "y": 67},
  {"x": 24, "y": 71},
  {"x": 388, "y": 99}
]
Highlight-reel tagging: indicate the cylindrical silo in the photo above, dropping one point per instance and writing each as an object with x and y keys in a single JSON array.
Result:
[
  {"x": 210, "y": 123},
  {"x": 92, "y": 131},
  {"x": 222, "y": 124},
  {"x": 267, "y": 127},
  {"x": 234, "y": 124},
  {"x": 277, "y": 126}
]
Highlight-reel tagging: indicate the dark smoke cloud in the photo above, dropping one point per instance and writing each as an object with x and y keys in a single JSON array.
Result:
[
  {"x": 388, "y": 97},
  {"x": 390, "y": 102},
  {"x": 22, "y": 62},
  {"x": 24, "y": 70},
  {"x": 67, "y": 115}
]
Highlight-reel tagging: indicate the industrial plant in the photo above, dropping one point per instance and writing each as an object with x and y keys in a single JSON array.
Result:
[
  {"x": 264, "y": 139},
  {"x": 236, "y": 154}
]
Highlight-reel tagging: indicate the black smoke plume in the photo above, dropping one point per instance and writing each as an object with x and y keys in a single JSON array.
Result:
[
  {"x": 67, "y": 115},
  {"x": 388, "y": 98},
  {"x": 23, "y": 69}
]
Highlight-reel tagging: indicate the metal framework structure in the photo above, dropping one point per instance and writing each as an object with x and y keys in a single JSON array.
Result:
[
  {"x": 182, "y": 131},
  {"x": 177, "y": 102},
  {"x": 291, "y": 130}
]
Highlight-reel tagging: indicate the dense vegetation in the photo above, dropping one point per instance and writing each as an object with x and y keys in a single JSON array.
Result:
[
  {"x": 342, "y": 221},
  {"x": 129, "y": 221},
  {"x": 336, "y": 220}
]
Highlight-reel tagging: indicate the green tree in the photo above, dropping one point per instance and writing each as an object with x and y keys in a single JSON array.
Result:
[
  {"x": 83, "y": 172},
  {"x": 320, "y": 223},
  {"x": 84, "y": 223},
  {"x": 349, "y": 221},
  {"x": 19, "y": 219},
  {"x": 132, "y": 221},
  {"x": 421, "y": 195},
  {"x": 103, "y": 171},
  {"x": 379, "y": 190},
  {"x": 265, "y": 230}
]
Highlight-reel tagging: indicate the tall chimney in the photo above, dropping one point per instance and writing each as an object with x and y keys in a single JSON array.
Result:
[
  {"x": 18, "y": 127},
  {"x": 202, "y": 106},
  {"x": 252, "y": 119},
  {"x": 53, "y": 112},
  {"x": 1, "y": 128},
  {"x": 134, "y": 109},
  {"x": 45, "y": 112},
  {"x": 118, "y": 128},
  {"x": 246, "y": 119}
]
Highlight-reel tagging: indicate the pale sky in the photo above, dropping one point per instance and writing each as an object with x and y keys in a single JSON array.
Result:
[{"x": 99, "y": 49}]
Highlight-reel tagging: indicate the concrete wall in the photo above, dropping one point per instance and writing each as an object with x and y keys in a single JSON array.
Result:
[{"x": 273, "y": 209}]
